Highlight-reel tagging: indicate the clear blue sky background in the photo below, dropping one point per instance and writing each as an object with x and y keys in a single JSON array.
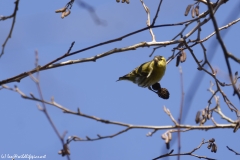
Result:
[{"x": 93, "y": 88}]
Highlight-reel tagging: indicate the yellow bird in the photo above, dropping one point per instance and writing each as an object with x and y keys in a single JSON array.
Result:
[{"x": 148, "y": 73}]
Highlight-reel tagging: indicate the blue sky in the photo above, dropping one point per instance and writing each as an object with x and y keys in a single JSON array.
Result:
[{"x": 93, "y": 88}]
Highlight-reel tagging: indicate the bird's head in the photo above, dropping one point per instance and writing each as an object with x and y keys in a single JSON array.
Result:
[{"x": 159, "y": 61}]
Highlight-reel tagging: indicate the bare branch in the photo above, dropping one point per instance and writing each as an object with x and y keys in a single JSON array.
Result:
[
  {"x": 217, "y": 109},
  {"x": 155, "y": 18},
  {"x": 14, "y": 15},
  {"x": 166, "y": 110},
  {"x": 218, "y": 83},
  {"x": 232, "y": 150},
  {"x": 187, "y": 153},
  {"x": 181, "y": 109},
  {"x": 142, "y": 44},
  {"x": 226, "y": 54},
  {"x": 78, "y": 113},
  {"x": 65, "y": 150},
  {"x": 221, "y": 28},
  {"x": 75, "y": 138},
  {"x": 148, "y": 20}
]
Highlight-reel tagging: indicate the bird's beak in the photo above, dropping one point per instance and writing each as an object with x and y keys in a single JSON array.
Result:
[{"x": 156, "y": 60}]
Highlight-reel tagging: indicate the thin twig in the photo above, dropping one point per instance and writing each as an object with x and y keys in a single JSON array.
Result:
[
  {"x": 156, "y": 15},
  {"x": 44, "y": 109},
  {"x": 217, "y": 109},
  {"x": 166, "y": 110},
  {"x": 148, "y": 20},
  {"x": 187, "y": 153},
  {"x": 222, "y": 45},
  {"x": 14, "y": 15},
  {"x": 99, "y": 137},
  {"x": 221, "y": 28},
  {"x": 232, "y": 150},
  {"x": 181, "y": 109},
  {"x": 213, "y": 75}
]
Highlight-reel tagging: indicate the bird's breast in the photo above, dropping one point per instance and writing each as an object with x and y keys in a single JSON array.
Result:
[{"x": 158, "y": 73}]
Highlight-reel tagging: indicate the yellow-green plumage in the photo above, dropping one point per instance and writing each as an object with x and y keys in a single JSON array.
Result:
[{"x": 148, "y": 73}]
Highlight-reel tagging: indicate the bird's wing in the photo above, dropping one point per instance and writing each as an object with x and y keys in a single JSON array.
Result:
[
  {"x": 142, "y": 71},
  {"x": 137, "y": 75}
]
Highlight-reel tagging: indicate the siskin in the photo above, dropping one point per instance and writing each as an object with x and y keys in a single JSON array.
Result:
[{"x": 148, "y": 73}]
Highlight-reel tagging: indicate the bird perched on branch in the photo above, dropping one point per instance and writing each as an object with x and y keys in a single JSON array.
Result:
[{"x": 148, "y": 73}]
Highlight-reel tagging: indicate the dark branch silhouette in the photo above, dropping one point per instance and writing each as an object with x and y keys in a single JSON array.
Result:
[{"x": 13, "y": 16}]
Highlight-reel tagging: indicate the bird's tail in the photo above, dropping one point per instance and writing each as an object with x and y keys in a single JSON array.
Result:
[{"x": 123, "y": 78}]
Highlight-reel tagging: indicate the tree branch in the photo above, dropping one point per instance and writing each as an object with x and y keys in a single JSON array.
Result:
[
  {"x": 14, "y": 15},
  {"x": 226, "y": 55},
  {"x": 187, "y": 153}
]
